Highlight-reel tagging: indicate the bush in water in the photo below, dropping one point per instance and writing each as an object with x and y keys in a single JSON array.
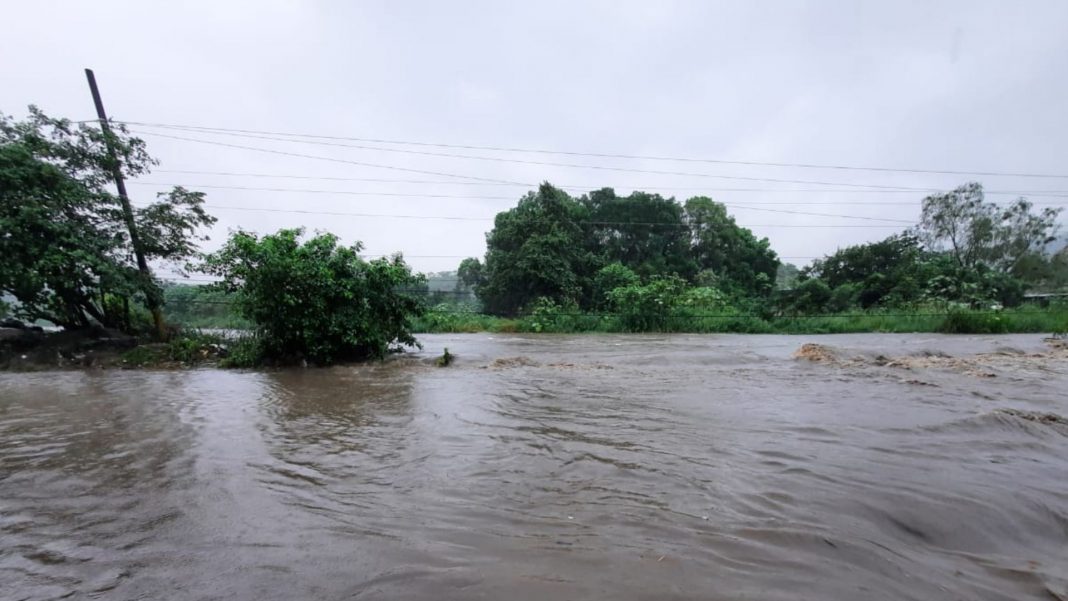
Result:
[{"x": 316, "y": 301}]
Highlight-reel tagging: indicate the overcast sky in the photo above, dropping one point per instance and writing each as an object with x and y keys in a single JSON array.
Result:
[{"x": 967, "y": 86}]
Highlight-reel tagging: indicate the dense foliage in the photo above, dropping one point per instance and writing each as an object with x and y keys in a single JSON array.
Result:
[
  {"x": 555, "y": 250},
  {"x": 557, "y": 247},
  {"x": 737, "y": 261},
  {"x": 964, "y": 251},
  {"x": 66, "y": 250},
  {"x": 315, "y": 300},
  {"x": 976, "y": 233},
  {"x": 537, "y": 250}
]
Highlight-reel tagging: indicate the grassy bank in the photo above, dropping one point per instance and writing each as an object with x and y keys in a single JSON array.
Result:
[
  {"x": 1024, "y": 320},
  {"x": 960, "y": 321}
]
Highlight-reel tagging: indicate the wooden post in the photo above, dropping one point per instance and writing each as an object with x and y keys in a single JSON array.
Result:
[{"x": 127, "y": 210}]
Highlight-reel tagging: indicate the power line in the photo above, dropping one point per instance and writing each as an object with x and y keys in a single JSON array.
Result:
[
  {"x": 602, "y": 155},
  {"x": 341, "y": 179},
  {"x": 1035, "y": 193},
  {"x": 335, "y": 160},
  {"x": 404, "y": 194},
  {"x": 519, "y": 161},
  {"x": 912, "y": 203},
  {"x": 338, "y": 192}
]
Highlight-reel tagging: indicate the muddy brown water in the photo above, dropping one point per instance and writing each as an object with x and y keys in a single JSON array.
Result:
[{"x": 551, "y": 467}]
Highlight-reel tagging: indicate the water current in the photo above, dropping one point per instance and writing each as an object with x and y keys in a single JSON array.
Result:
[{"x": 549, "y": 467}]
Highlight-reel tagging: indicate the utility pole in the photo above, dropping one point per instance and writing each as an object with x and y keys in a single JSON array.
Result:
[{"x": 127, "y": 210}]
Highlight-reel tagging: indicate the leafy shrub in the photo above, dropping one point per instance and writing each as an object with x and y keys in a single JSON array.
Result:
[
  {"x": 976, "y": 288},
  {"x": 193, "y": 346},
  {"x": 703, "y": 297},
  {"x": 546, "y": 315},
  {"x": 810, "y": 296},
  {"x": 244, "y": 352},
  {"x": 964, "y": 322},
  {"x": 608, "y": 279},
  {"x": 317, "y": 301},
  {"x": 844, "y": 297},
  {"x": 647, "y": 308}
]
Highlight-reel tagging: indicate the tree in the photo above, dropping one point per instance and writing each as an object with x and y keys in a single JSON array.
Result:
[
  {"x": 642, "y": 231},
  {"x": 981, "y": 287},
  {"x": 810, "y": 296},
  {"x": 975, "y": 232},
  {"x": 537, "y": 250},
  {"x": 315, "y": 300},
  {"x": 887, "y": 270},
  {"x": 65, "y": 246},
  {"x": 1058, "y": 270},
  {"x": 609, "y": 278},
  {"x": 469, "y": 274},
  {"x": 744, "y": 265}
]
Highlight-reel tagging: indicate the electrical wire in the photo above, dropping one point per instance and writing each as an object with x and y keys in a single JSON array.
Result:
[
  {"x": 405, "y": 194},
  {"x": 346, "y": 161},
  {"x": 1033, "y": 193},
  {"x": 603, "y": 155},
  {"x": 910, "y": 203},
  {"x": 516, "y": 161}
]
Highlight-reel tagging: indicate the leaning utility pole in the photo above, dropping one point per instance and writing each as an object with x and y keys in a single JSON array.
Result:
[{"x": 127, "y": 212}]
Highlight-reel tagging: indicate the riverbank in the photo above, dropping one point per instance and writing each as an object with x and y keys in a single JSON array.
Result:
[
  {"x": 101, "y": 348},
  {"x": 106, "y": 349},
  {"x": 962, "y": 321}
]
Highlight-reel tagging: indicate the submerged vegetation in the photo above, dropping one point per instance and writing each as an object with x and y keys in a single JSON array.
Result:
[
  {"x": 600, "y": 262},
  {"x": 314, "y": 300}
]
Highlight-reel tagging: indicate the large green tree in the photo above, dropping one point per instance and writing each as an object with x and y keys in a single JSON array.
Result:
[
  {"x": 743, "y": 265},
  {"x": 887, "y": 271},
  {"x": 64, "y": 247},
  {"x": 537, "y": 250},
  {"x": 315, "y": 300},
  {"x": 976, "y": 233},
  {"x": 646, "y": 232}
]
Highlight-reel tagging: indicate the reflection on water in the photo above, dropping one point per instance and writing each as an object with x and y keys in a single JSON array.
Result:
[{"x": 597, "y": 467}]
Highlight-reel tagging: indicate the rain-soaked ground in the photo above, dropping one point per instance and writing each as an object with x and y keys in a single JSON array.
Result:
[{"x": 550, "y": 467}]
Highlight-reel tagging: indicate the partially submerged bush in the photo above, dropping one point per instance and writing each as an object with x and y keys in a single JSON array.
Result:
[
  {"x": 184, "y": 348},
  {"x": 316, "y": 301}
]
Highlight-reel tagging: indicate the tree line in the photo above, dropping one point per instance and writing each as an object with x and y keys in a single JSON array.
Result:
[
  {"x": 605, "y": 252},
  {"x": 577, "y": 251},
  {"x": 66, "y": 258}
]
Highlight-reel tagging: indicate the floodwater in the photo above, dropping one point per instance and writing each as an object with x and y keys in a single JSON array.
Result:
[{"x": 551, "y": 467}]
